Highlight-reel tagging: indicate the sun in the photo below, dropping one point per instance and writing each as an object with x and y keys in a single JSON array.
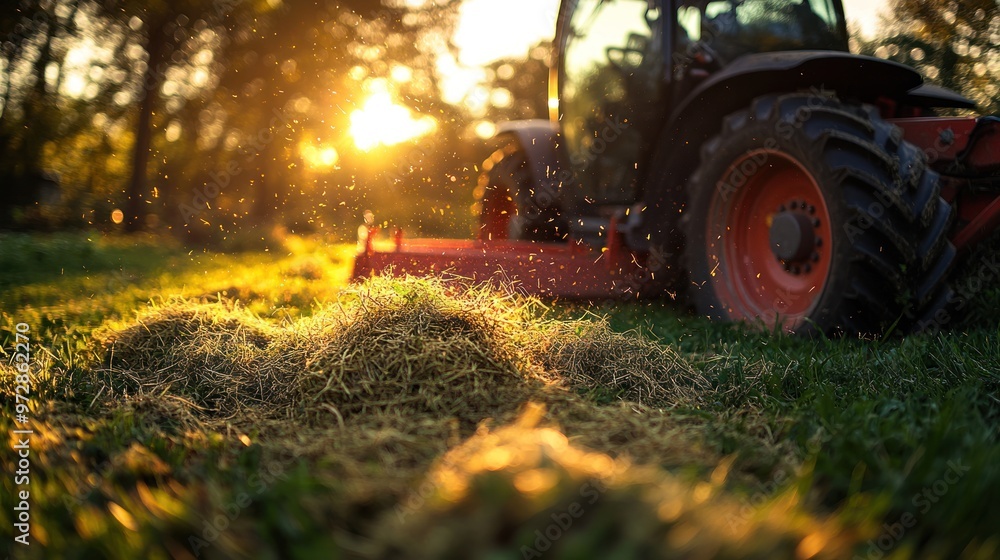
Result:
[{"x": 381, "y": 122}]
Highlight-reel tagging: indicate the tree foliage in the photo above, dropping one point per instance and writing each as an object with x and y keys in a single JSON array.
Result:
[
  {"x": 954, "y": 44},
  {"x": 205, "y": 117}
]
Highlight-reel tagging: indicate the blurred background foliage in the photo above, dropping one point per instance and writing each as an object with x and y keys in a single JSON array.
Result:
[
  {"x": 953, "y": 44},
  {"x": 215, "y": 120},
  {"x": 218, "y": 121}
]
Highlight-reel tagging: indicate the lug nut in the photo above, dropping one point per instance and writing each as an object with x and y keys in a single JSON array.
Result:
[
  {"x": 812, "y": 209},
  {"x": 819, "y": 241},
  {"x": 815, "y": 257},
  {"x": 816, "y": 222},
  {"x": 808, "y": 268}
]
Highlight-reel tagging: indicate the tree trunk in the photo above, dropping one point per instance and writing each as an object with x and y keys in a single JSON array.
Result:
[
  {"x": 151, "y": 82},
  {"x": 268, "y": 191},
  {"x": 29, "y": 158}
]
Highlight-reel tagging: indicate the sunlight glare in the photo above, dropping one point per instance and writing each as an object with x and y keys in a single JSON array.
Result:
[
  {"x": 79, "y": 62},
  {"x": 486, "y": 130},
  {"x": 75, "y": 85},
  {"x": 319, "y": 156},
  {"x": 328, "y": 156},
  {"x": 863, "y": 16},
  {"x": 489, "y": 30},
  {"x": 382, "y": 122}
]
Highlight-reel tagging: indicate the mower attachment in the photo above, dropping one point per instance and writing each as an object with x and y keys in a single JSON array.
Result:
[{"x": 572, "y": 270}]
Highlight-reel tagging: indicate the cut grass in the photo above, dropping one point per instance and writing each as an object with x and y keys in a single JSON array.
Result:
[
  {"x": 384, "y": 398},
  {"x": 401, "y": 347}
]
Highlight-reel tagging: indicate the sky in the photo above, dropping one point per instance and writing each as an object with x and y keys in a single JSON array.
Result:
[
  {"x": 863, "y": 14},
  {"x": 489, "y": 30}
]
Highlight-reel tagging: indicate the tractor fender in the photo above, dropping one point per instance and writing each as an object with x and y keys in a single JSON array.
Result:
[
  {"x": 540, "y": 143},
  {"x": 932, "y": 96},
  {"x": 850, "y": 75}
]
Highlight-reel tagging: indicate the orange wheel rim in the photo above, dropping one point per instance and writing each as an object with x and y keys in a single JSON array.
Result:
[{"x": 769, "y": 240}]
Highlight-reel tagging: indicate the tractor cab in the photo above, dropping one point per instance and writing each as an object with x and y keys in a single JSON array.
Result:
[{"x": 625, "y": 64}]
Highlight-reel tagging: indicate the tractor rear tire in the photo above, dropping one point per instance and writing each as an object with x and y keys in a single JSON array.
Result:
[
  {"x": 510, "y": 206},
  {"x": 813, "y": 216}
]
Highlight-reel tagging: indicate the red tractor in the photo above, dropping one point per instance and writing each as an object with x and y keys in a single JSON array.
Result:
[{"x": 737, "y": 153}]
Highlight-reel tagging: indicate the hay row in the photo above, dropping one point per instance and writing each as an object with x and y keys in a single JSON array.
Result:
[{"x": 387, "y": 348}]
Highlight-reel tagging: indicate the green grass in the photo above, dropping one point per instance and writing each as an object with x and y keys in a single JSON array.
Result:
[
  {"x": 884, "y": 419},
  {"x": 867, "y": 433}
]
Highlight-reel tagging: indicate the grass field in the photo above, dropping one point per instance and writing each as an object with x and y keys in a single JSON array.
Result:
[{"x": 192, "y": 405}]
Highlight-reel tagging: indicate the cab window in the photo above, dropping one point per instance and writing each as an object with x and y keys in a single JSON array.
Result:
[
  {"x": 732, "y": 28},
  {"x": 611, "y": 82}
]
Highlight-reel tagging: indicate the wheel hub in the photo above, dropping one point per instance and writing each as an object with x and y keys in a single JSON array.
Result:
[{"x": 792, "y": 236}]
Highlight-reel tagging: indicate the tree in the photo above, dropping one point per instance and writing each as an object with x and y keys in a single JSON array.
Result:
[
  {"x": 160, "y": 28},
  {"x": 195, "y": 88},
  {"x": 29, "y": 112},
  {"x": 954, "y": 44}
]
